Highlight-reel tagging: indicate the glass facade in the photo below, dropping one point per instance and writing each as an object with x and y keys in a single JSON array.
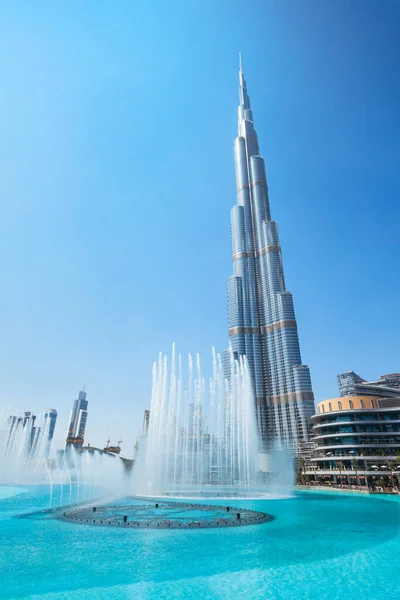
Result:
[
  {"x": 261, "y": 317},
  {"x": 77, "y": 422}
]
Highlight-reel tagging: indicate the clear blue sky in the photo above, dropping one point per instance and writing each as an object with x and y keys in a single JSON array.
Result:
[{"x": 117, "y": 121}]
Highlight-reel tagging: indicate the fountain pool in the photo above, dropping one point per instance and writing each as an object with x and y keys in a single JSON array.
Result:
[{"x": 328, "y": 546}]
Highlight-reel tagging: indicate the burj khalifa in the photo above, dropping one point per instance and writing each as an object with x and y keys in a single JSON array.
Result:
[{"x": 262, "y": 323}]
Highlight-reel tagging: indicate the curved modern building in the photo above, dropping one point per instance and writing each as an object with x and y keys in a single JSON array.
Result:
[
  {"x": 355, "y": 433},
  {"x": 262, "y": 322}
]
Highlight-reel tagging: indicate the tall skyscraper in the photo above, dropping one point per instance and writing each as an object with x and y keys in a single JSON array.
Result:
[
  {"x": 261, "y": 317},
  {"x": 77, "y": 421}
]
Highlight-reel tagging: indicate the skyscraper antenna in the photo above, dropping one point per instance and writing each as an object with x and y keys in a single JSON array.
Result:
[{"x": 240, "y": 61}]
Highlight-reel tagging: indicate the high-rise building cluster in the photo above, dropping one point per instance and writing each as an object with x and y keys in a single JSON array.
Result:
[{"x": 28, "y": 437}]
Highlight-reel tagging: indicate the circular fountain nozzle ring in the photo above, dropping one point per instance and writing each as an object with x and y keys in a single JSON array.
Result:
[{"x": 167, "y": 515}]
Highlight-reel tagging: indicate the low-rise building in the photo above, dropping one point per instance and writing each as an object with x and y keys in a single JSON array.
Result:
[
  {"x": 356, "y": 440},
  {"x": 351, "y": 384}
]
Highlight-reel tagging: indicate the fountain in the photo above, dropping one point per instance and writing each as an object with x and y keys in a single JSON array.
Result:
[
  {"x": 203, "y": 440},
  {"x": 24, "y": 445},
  {"x": 78, "y": 476},
  {"x": 163, "y": 515}
]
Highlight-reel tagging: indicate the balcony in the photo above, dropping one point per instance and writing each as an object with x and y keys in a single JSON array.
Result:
[
  {"x": 367, "y": 434},
  {"x": 373, "y": 456}
]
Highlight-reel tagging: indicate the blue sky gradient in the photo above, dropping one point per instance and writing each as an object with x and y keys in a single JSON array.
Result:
[{"x": 117, "y": 180}]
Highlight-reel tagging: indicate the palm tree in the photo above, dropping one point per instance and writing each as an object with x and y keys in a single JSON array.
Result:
[
  {"x": 340, "y": 467},
  {"x": 390, "y": 466},
  {"x": 354, "y": 464},
  {"x": 302, "y": 464}
]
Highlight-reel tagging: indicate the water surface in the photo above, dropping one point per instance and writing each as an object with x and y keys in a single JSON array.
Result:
[{"x": 320, "y": 545}]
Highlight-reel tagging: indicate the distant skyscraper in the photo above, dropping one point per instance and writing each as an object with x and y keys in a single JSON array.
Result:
[
  {"x": 146, "y": 421},
  {"x": 261, "y": 316},
  {"x": 50, "y": 420},
  {"x": 77, "y": 422},
  {"x": 51, "y": 415}
]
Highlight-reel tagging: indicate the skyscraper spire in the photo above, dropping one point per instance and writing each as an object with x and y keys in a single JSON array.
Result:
[
  {"x": 261, "y": 316},
  {"x": 244, "y": 101}
]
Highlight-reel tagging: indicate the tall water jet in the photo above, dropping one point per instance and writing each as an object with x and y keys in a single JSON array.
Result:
[
  {"x": 202, "y": 438},
  {"x": 24, "y": 445},
  {"x": 75, "y": 474}
]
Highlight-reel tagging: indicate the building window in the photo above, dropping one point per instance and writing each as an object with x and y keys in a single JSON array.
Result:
[
  {"x": 330, "y": 406},
  {"x": 340, "y": 405},
  {"x": 351, "y": 403},
  {"x": 361, "y": 404}
]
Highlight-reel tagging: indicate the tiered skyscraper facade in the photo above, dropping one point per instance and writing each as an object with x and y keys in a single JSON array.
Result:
[{"x": 262, "y": 323}]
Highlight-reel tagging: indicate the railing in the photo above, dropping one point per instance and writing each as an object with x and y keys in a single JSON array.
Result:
[
  {"x": 355, "y": 431},
  {"x": 360, "y": 444},
  {"x": 365, "y": 455},
  {"x": 337, "y": 422}
]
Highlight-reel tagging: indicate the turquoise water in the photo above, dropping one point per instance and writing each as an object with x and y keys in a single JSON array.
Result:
[
  {"x": 8, "y": 491},
  {"x": 320, "y": 545}
]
